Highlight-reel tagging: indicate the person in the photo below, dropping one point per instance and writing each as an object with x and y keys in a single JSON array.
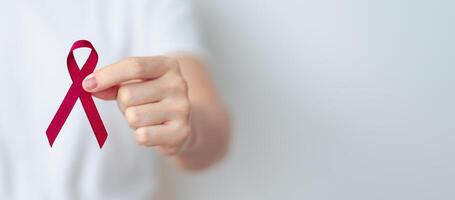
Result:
[{"x": 153, "y": 94}]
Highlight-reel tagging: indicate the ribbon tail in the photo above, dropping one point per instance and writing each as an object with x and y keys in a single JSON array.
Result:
[
  {"x": 94, "y": 118},
  {"x": 62, "y": 113}
]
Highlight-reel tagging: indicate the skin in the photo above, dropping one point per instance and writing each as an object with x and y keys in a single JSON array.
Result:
[{"x": 170, "y": 104}]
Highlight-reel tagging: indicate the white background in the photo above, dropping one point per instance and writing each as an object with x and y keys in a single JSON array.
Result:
[{"x": 331, "y": 99}]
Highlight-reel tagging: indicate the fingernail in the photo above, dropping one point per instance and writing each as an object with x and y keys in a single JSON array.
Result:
[{"x": 90, "y": 82}]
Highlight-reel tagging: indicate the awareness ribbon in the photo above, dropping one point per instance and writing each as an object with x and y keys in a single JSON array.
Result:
[{"x": 76, "y": 91}]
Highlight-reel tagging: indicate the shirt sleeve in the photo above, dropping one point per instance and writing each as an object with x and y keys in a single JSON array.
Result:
[{"x": 164, "y": 26}]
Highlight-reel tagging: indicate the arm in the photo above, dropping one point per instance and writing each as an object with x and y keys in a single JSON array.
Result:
[{"x": 170, "y": 104}]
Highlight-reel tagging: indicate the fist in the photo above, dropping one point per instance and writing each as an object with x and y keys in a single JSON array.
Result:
[{"x": 153, "y": 97}]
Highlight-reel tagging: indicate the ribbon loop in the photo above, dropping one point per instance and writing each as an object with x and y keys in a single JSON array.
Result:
[{"x": 76, "y": 91}]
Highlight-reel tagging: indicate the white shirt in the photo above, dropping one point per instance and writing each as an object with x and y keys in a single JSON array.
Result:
[{"x": 35, "y": 37}]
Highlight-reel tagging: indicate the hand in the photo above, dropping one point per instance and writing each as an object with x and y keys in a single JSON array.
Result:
[{"x": 153, "y": 97}]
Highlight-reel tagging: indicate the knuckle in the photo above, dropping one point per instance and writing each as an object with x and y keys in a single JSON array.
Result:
[
  {"x": 182, "y": 132},
  {"x": 185, "y": 132},
  {"x": 182, "y": 108},
  {"x": 141, "y": 137},
  {"x": 179, "y": 85},
  {"x": 132, "y": 60},
  {"x": 172, "y": 63},
  {"x": 125, "y": 96},
  {"x": 133, "y": 116},
  {"x": 136, "y": 66}
]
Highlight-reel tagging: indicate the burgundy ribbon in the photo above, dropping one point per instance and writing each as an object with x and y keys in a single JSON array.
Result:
[{"x": 76, "y": 91}]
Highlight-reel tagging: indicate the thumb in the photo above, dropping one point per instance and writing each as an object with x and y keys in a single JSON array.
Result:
[
  {"x": 107, "y": 94},
  {"x": 90, "y": 83}
]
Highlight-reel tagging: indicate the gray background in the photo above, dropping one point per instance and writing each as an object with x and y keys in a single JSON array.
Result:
[{"x": 331, "y": 99}]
